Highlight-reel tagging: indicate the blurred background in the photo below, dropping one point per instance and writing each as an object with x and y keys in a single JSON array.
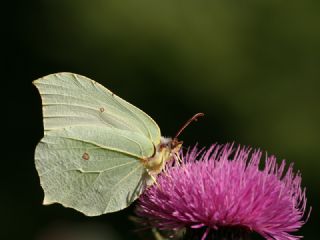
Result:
[{"x": 253, "y": 67}]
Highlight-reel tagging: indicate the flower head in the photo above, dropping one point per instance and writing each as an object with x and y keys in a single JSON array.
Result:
[{"x": 222, "y": 188}]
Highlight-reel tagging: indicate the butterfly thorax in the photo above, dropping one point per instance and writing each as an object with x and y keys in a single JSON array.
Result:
[{"x": 166, "y": 151}]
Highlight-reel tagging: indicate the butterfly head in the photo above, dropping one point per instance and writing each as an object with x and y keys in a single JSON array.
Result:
[
  {"x": 167, "y": 150},
  {"x": 164, "y": 152}
]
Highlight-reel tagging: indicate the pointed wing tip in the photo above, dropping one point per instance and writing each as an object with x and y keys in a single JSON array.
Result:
[
  {"x": 34, "y": 82},
  {"x": 38, "y": 80},
  {"x": 46, "y": 201}
]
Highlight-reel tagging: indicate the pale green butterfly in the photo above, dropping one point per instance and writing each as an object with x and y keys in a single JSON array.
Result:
[{"x": 98, "y": 152}]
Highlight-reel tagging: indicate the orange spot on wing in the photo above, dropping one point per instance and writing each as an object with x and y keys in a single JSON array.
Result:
[{"x": 85, "y": 156}]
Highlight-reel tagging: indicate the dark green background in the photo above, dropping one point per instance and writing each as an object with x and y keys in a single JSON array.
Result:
[{"x": 252, "y": 66}]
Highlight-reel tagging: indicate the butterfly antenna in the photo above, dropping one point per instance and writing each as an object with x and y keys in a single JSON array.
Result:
[{"x": 194, "y": 118}]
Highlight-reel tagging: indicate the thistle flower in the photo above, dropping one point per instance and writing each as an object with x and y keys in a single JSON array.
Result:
[{"x": 222, "y": 194}]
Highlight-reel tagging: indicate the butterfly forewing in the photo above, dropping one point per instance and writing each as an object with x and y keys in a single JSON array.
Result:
[{"x": 69, "y": 99}]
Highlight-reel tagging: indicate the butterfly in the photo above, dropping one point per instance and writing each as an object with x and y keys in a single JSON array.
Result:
[{"x": 99, "y": 152}]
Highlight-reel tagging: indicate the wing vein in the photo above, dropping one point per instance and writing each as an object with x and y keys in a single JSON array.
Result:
[
  {"x": 105, "y": 147},
  {"x": 116, "y": 185},
  {"x": 136, "y": 117}
]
